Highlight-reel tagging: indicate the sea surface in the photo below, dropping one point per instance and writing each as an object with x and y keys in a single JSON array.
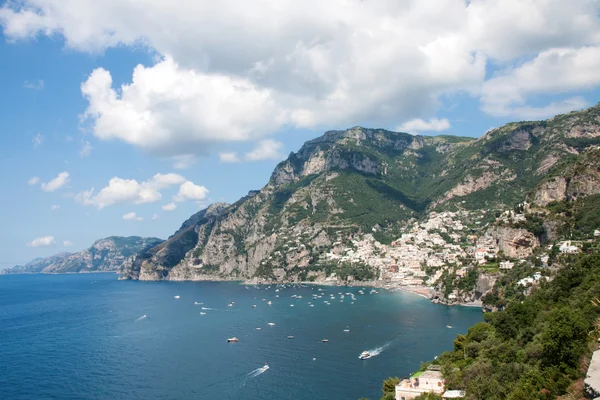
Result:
[{"x": 90, "y": 336}]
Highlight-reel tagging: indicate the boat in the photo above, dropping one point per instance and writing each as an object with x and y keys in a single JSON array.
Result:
[
  {"x": 312, "y": 305},
  {"x": 177, "y": 297},
  {"x": 291, "y": 305},
  {"x": 202, "y": 313},
  {"x": 269, "y": 302},
  {"x": 233, "y": 340},
  {"x": 271, "y": 324},
  {"x": 258, "y": 329},
  {"x": 449, "y": 326},
  {"x": 230, "y": 305},
  {"x": 254, "y": 306},
  {"x": 346, "y": 330},
  {"x": 364, "y": 355},
  {"x": 290, "y": 337},
  {"x": 325, "y": 340},
  {"x": 197, "y": 304}
]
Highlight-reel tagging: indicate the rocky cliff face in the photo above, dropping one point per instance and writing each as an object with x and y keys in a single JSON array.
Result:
[
  {"x": 105, "y": 255},
  {"x": 346, "y": 184}
]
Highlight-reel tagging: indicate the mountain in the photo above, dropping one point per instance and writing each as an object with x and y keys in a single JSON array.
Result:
[
  {"x": 336, "y": 207},
  {"x": 36, "y": 265},
  {"x": 109, "y": 254}
]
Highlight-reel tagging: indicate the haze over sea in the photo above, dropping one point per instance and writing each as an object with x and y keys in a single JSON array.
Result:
[{"x": 91, "y": 336}]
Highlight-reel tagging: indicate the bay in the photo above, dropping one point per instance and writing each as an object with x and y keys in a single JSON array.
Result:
[{"x": 90, "y": 336}]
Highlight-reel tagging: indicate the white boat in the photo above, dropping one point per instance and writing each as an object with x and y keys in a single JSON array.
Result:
[
  {"x": 197, "y": 304},
  {"x": 269, "y": 302},
  {"x": 291, "y": 305},
  {"x": 202, "y": 313},
  {"x": 271, "y": 324},
  {"x": 364, "y": 355},
  {"x": 325, "y": 340},
  {"x": 233, "y": 340},
  {"x": 449, "y": 326},
  {"x": 258, "y": 329},
  {"x": 346, "y": 330},
  {"x": 230, "y": 305},
  {"x": 254, "y": 306},
  {"x": 290, "y": 337},
  {"x": 177, "y": 297}
]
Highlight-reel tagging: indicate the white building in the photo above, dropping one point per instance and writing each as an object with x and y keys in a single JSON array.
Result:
[
  {"x": 430, "y": 381},
  {"x": 506, "y": 264},
  {"x": 568, "y": 248}
]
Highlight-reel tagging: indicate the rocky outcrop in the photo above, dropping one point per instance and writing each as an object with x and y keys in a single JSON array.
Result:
[
  {"x": 578, "y": 179},
  {"x": 513, "y": 242},
  {"x": 554, "y": 189}
]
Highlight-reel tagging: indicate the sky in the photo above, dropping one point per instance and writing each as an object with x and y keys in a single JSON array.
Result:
[{"x": 125, "y": 117}]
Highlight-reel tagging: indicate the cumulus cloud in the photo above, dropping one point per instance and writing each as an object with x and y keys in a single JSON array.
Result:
[
  {"x": 54, "y": 207},
  {"x": 86, "y": 149},
  {"x": 190, "y": 191},
  {"x": 169, "y": 207},
  {"x": 131, "y": 216},
  {"x": 121, "y": 190},
  {"x": 42, "y": 241},
  {"x": 34, "y": 180},
  {"x": 37, "y": 140},
  {"x": 61, "y": 180},
  {"x": 265, "y": 150},
  {"x": 37, "y": 84},
  {"x": 67, "y": 243},
  {"x": 288, "y": 66},
  {"x": 419, "y": 125},
  {"x": 553, "y": 71}
]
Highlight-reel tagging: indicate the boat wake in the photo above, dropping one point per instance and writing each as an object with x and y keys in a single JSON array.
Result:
[
  {"x": 378, "y": 350},
  {"x": 207, "y": 308},
  {"x": 143, "y": 317},
  {"x": 258, "y": 371},
  {"x": 255, "y": 373}
]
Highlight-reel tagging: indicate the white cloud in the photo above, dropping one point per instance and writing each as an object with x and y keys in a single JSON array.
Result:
[
  {"x": 67, "y": 243},
  {"x": 37, "y": 140},
  {"x": 132, "y": 217},
  {"x": 265, "y": 150},
  {"x": 552, "y": 71},
  {"x": 419, "y": 125},
  {"x": 34, "y": 180},
  {"x": 171, "y": 110},
  {"x": 190, "y": 191},
  {"x": 86, "y": 149},
  {"x": 183, "y": 161},
  {"x": 289, "y": 66},
  {"x": 42, "y": 241},
  {"x": 229, "y": 157},
  {"x": 155, "y": 216},
  {"x": 54, "y": 207},
  {"x": 37, "y": 84},
  {"x": 169, "y": 207},
  {"x": 130, "y": 191},
  {"x": 61, "y": 180}
]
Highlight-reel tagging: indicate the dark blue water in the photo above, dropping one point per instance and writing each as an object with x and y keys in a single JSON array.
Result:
[{"x": 81, "y": 337}]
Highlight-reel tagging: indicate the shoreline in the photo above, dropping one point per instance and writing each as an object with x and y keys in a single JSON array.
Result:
[{"x": 417, "y": 290}]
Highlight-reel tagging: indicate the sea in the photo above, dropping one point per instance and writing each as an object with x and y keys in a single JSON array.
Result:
[{"x": 91, "y": 336}]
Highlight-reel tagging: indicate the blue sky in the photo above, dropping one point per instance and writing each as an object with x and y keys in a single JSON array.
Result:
[{"x": 212, "y": 98}]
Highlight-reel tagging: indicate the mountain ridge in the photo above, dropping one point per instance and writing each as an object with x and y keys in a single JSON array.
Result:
[
  {"x": 104, "y": 255},
  {"x": 364, "y": 184}
]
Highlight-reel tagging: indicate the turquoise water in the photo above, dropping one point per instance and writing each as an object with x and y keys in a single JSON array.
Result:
[{"x": 86, "y": 337}]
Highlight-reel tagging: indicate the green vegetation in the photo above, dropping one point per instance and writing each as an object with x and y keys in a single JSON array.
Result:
[{"x": 534, "y": 349}]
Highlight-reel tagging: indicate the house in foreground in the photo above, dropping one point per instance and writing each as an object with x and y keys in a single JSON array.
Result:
[{"x": 421, "y": 382}]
